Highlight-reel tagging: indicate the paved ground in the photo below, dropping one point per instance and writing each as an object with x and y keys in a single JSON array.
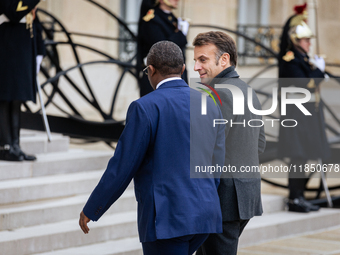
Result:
[{"x": 326, "y": 242}]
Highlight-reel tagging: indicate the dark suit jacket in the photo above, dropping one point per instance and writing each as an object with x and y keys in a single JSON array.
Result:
[
  {"x": 17, "y": 53},
  {"x": 154, "y": 149},
  {"x": 240, "y": 197}
]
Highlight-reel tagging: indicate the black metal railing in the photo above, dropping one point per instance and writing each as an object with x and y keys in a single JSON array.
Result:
[
  {"x": 250, "y": 53},
  {"x": 257, "y": 45}
]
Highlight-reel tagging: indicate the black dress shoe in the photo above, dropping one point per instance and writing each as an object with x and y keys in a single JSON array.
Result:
[
  {"x": 7, "y": 153},
  {"x": 28, "y": 157},
  {"x": 298, "y": 205},
  {"x": 312, "y": 207}
]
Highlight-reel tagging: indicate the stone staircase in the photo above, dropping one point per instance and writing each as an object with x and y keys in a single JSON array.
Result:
[
  {"x": 40, "y": 201},
  {"x": 40, "y": 204},
  {"x": 277, "y": 223}
]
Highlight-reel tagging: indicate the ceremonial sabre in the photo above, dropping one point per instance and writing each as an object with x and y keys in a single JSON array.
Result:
[
  {"x": 45, "y": 120},
  {"x": 325, "y": 186}
]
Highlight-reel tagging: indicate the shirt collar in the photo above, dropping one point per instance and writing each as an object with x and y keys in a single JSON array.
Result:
[
  {"x": 166, "y": 80},
  {"x": 228, "y": 73}
]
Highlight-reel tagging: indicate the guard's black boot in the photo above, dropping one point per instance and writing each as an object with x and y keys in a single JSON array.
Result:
[
  {"x": 296, "y": 184},
  {"x": 298, "y": 205},
  {"x": 9, "y": 154},
  {"x": 312, "y": 207},
  {"x": 17, "y": 149},
  {"x": 15, "y": 128},
  {"x": 7, "y": 151},
  {"x": 28, "y": 157},
  {"x": 25, "y": 156}
]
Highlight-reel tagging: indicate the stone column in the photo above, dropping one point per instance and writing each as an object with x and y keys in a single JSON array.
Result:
[{"x": 312, "y": 5}]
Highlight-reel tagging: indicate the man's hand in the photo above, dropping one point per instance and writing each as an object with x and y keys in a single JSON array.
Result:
[{"x": 83, "y": 220}]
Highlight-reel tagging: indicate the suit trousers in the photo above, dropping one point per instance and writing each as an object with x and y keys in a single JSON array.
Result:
[
  {"x": 183, "y": 245},
  {"x": 225, "y": 243}
]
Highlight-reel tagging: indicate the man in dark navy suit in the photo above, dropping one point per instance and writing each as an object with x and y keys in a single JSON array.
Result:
[
  {"x": 157, "y": 23},
  {"x": 175, "y": 212},
  {"x": 17, "y": 72}
]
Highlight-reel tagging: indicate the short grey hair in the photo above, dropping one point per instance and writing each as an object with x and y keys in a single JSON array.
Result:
[
  {"x": 218, "y": 55},
  {"x": 166, "y": 57}
]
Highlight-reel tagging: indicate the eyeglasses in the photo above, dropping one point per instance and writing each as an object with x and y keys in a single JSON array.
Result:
[{"x": 145, "y": 70}]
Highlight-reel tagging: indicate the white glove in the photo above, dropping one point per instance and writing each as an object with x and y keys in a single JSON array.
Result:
[
  {"x": 319, "y": 62},
  {"x": 326, "y": 77},
  {"x": 39, "y": 59},
  {"x": 183, "y": 25}
]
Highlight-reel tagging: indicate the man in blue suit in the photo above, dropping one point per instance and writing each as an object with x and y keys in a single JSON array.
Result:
[{"x": 175, "y": 212}]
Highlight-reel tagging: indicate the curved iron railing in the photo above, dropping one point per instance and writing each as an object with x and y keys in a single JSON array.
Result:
[
  {"x": 53, "y": 72},
  {"x": 54, "y": 26},
  {"x": 109, "y": 129}
]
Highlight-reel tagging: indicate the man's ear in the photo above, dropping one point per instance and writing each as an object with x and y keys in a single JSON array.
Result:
[
  {"x": 151, "y": 70},
  {"x": 225, "y": 60},
  {"x": 183, "y": 69}
]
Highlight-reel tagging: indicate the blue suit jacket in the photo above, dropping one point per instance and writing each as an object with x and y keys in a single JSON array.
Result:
[{"x": 154, "y": 149}]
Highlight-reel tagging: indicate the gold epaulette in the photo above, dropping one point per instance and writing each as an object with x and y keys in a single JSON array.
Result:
[
  {"x": 21, "y": 8},
  {"x": 149, "y": 15},
  {"x": 289, "y": 56}
]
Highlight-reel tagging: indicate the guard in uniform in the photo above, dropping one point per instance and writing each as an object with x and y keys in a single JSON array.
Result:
[
  {"x": 157, "y": 23},
  {"x": 307, "y": 140},
  {"x": 17, "y": 72}
]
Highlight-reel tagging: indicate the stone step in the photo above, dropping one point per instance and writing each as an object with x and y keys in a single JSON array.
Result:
[
  {"x": 272, "y": 203},
  {"x": 284, "y": 224},
  {"x": 67, "y": 234},
  {"x": 47, "y": 187},
  {"x": 49, "y": 211},
  {"x": 35, "y": 142},
  {"x": 259, "y": 230},
  {"x": 127, "y": 246},
  {"x": 71, "y": 161},
  {"x": 43, "y": 212}
]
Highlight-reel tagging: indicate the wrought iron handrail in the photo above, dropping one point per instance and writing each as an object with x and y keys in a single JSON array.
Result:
[{"x": 109, "y": 129}]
